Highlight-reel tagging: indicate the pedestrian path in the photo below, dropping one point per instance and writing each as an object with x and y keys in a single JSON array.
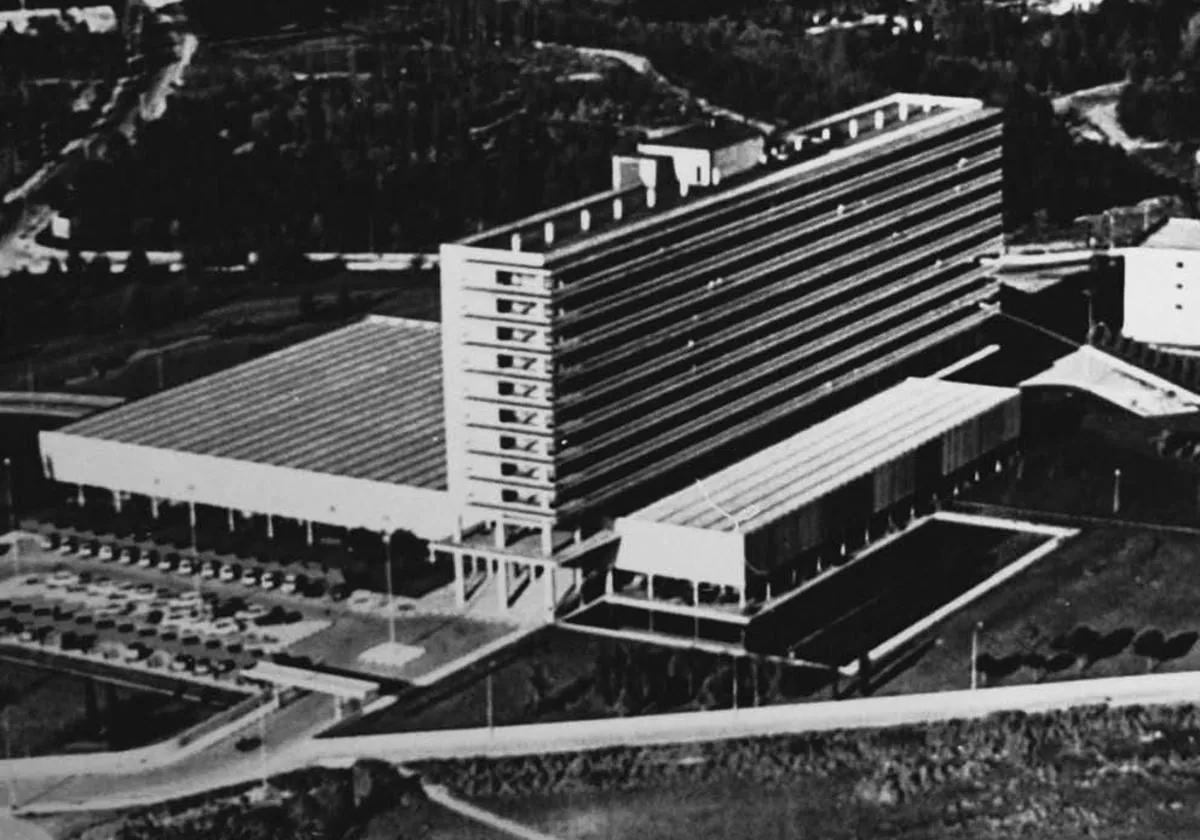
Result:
[{"x": 441, "y": 796}]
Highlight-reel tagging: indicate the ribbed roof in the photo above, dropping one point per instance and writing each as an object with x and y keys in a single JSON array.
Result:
[
  {"x": 364, "y": 401},
  {"x": 783, "y": 478}
]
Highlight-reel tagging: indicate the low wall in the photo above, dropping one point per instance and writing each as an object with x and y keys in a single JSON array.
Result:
[
  {"x": 766, "y": 721},
  {"x": 223, "y": 718}
]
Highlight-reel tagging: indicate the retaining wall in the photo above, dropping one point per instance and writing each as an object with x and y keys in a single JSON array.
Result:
[{"x": 867, "y": 713}]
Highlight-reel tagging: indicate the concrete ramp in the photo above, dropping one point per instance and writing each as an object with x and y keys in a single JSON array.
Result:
[{"x": 1117, "y": 382}]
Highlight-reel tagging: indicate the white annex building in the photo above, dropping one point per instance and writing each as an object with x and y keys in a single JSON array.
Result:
[{"x": 1162, "y": 286}]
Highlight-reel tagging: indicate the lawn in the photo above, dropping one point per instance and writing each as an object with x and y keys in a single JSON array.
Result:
[
  {"x": 47, "y": 714},
  {"x": 444, "y": 640},
  {"x": 560, "y": 674},
  {"x": 1110, "y": 580},
  {"x": 879, "y": 595}
]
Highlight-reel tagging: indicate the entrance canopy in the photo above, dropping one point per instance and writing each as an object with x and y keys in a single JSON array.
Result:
[{"x": 346, "y": 688}]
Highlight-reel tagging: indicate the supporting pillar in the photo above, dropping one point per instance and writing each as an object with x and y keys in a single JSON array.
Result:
[
  {"x": 458, "y": 529},
  {"x": 80, "y": 497},
  {"x": 741, "y": 597},
  {"x": 117, "y": 500},
  {"x": 154, "y": 506},
  {"x": 308, "y": 534},
  {"x": 650, "y": 587},
  {"x": 768, "y": 590},
  {"x": 548, "y": 590},
  {"x": 232, "y": 521},
  {"x": 498, "y": 533},
  {"x": 502, "y": 585},
  {"x": 578, "y": 536},
  {"x": 270, "y": 527},
  {"x": 548, "y": 540},
  {"x": 608, "y": 581},
  {"x": 460, "y": 583},
  {"x": 695, "y": 594}
]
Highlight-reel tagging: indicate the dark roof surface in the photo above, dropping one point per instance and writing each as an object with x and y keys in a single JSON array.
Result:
[{"x": 364, "y": 401}]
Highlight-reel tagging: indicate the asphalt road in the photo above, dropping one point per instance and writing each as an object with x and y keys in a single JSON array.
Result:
[{"x": 217, "y": 766}]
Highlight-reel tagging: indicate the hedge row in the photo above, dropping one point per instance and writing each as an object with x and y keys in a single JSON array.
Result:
[{"x": 895, "y": 762}]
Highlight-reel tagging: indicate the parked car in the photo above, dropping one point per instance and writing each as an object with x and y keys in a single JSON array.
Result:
[
  {"x": 251, "y": 576},
  {"x": 224, "y": 627},
  {"x": 291, "y": 583},
  {"x": 61, "y": 579},
  {"x": 168, "y": 562},
  {"x": 203, "y": 668},
  {"x": 128, "y": 556},
  {"x": 270, "y": 580},
  {"x": 68, "y": 546},
  {"x": 339, "y": 592},
  {"x": 147, "y": 560},
  {"x": 105, "y": 554},
  {"x": 191, "y": 598},
  {"x": 182, "y": 662},
  {"x": 230, "y": 572},
  {"x": 186, "y": 567},
  {"x": 210, "y": 570},
  {"x": 252, "y": 612}
]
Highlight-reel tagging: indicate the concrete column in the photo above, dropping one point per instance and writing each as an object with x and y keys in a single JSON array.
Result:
[
  {"x": 548, "y": 589},
  {"x": 458, "y": 529},
  {"x": 768, "y": 590},
  {"x": 232, "y": 520},
  {"x": 308, "y": 534},
  {"x": 498, "y": 533},
  {"x": 502, "y": 585},
  {"x": 337, "y": 708},
  {"x": 117, "y": 500},
  {"x": 460, "y": 583},
  {"x": 576, "y": 578},
  {"x": 154, "y": 506},
  {"x": 270, "y": 527},
  {"x": 80, "y": 497},
  {"x": 608, "y": 581},
  {"x": 741, "y": 597},
  {"x": 650, "y": 587},
  {"x": 578, "y": 536},
  {"x": 695, "y": 594},
  {"x": 548, "y": 540}
]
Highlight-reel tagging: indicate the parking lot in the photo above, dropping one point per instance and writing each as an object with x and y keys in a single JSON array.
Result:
[{"x": 171, "y": 608}]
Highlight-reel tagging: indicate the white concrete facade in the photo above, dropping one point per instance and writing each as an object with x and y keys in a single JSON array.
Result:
[
  {"x": 1162, "y": 296},
  {"x": 245, "y": 486}
]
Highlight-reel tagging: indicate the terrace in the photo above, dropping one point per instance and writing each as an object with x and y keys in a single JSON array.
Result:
[{"x": 855, "y": 131}]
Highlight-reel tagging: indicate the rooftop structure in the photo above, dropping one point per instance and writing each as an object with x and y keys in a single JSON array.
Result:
[{"x": 858, "y": 131}]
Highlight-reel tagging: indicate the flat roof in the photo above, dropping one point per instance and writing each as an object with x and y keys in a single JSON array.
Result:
[
  {"x": 708, "y": 136},
  {"x": 922, "y": 112},
  {"x": 807, "y": 466},
  {"x": 1176, "y": 234},
  {"x": 317, "y": 681},
  {"x": 364, "y": 401}
]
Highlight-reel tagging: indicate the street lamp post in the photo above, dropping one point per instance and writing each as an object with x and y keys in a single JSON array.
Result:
[
  {"x": 975, "y": 654},
  {"x": 9, "y": 513},
  {"x": 1116, "y": 507},
  {"x": 391, "y": 601},
  {"x": 195, "y": 549},
  {"x": 12, "y": 782},
  {"x": 262, "y": 742},
  {"x": 1091, "y": 319}
]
